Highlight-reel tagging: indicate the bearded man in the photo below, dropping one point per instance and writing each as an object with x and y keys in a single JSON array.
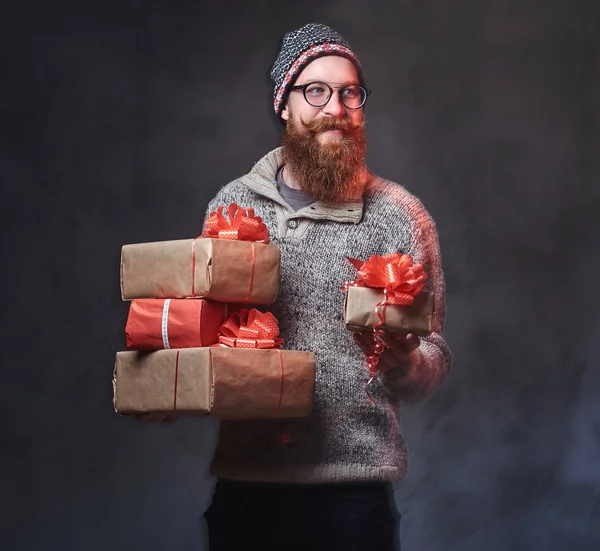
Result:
[{"x": 325, "y": 482}]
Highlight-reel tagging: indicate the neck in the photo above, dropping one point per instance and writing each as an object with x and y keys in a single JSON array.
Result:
[{"x": 286, "y": 174}]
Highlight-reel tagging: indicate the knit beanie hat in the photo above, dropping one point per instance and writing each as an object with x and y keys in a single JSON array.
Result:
[{"x": 298, "y": 49}]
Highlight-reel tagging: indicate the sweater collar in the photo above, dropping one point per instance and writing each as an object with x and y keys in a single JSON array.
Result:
[{"x": 262, "y": 179}]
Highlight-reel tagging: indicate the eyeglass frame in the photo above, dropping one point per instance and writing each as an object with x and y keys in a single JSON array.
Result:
[{"x": 303, "y": 87}]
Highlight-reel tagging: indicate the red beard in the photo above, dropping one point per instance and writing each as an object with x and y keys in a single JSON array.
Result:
[{"x": 331, "y": 171}]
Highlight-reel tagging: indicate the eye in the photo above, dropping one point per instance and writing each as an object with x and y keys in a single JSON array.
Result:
[
  {"x": 351, "y": 92},
  {"x": 316, "y": 90}
]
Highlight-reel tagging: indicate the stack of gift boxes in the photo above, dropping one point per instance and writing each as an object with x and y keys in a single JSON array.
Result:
[
  {"x": 202, "y": 340},
  {"x": 200, "y": 337}
]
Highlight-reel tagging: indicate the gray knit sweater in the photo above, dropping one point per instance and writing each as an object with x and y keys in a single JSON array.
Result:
[{"x": 347, "y": 437}]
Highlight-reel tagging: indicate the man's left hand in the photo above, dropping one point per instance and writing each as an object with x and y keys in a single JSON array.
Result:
[{"x": 398, "y": 348}]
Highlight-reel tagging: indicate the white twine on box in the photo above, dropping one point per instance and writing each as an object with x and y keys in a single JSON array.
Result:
[{"x": 165, "y": 320}]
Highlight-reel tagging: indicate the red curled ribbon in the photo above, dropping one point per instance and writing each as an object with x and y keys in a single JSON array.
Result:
[
  {"x": 240, "y": 224},
  {"x": 250, "y": 329},
  {"x": 400, "y": 280}
]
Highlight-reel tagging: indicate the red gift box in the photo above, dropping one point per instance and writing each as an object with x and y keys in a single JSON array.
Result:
[{"x": 153, "y": 324}]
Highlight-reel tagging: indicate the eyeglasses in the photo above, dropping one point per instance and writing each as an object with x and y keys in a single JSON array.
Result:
[{"x": 318, "y": 94}]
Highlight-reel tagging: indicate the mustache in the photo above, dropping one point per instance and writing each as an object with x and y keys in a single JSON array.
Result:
[{"x": 329, "y": 123}]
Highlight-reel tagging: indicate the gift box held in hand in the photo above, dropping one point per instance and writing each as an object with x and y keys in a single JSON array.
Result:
[
  {"x": 245, "y": 376},
  {"x": 231, "y": 262},
  {"x": 388, "y": 294},
  {"x": 153, "y": 324}
]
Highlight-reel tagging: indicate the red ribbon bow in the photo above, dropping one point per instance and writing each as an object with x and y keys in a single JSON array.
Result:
[
  {"x": 400, "y": 279},
  {"x": 239, "y": 225},
  {"x": 250, "y": 329}
]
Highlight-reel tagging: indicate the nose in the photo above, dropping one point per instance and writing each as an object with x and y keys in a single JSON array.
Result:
[{"x": 334, "y": 107}]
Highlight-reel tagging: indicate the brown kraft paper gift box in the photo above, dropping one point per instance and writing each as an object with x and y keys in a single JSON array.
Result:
[
  {"x": 228, "y": 383},
  {"x": 360, "y": 314},
  {"x": 219, "y": 269}
]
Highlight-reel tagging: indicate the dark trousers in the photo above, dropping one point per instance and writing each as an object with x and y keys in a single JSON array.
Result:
[{"x": 348, "y": 517}]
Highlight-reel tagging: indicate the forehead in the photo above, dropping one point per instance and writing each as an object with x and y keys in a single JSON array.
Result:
[{"x": 330, "y": 69}]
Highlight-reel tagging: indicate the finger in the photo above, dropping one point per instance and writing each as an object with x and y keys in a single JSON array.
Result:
[
  {"x": 395, "y": 342},
  {"x": 363, "y": 338},
  {"x": 408, "y": 341},
  {"x": 362, "y": 343},
  {"x": 413, "y": 341},
  {"x": 386, "y": 362}
]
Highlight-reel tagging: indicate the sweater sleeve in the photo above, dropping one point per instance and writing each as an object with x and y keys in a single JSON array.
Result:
[{"x": 433, "y": 359}]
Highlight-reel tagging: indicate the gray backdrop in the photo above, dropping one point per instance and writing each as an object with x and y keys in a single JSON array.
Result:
[{"x": 120, "y": 121}]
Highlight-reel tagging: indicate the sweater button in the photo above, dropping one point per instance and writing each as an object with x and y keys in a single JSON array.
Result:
[{"x": 292, "y": 224}]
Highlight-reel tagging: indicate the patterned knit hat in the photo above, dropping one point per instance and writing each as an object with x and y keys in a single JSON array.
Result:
[{"x": 298, "y": 49}]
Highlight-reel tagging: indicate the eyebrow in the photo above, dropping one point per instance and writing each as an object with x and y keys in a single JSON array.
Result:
[{"x": 351, "y": 82}]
